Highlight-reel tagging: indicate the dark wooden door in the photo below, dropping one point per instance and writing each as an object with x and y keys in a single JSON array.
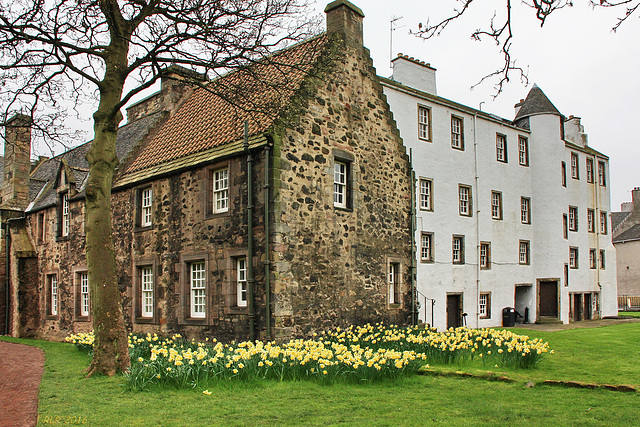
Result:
[
  {"x": 577, "y": 307},
  {"x": 587, "y": 306},
  {"x": 454, "y": 311},
  {"x": 548, "y": 298}
]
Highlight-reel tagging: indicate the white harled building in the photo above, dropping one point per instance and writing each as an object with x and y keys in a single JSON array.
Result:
[{"x": 509, "y": 213}]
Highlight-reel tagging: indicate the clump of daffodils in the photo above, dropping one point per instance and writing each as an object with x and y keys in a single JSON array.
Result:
[{"x": 357, "y": 354}]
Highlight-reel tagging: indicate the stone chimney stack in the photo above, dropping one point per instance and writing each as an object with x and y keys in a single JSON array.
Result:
[
  {"x": 635, "y": 199},
  {"x": 17, "y": 163},
  {"x": 346, "y": 19}
]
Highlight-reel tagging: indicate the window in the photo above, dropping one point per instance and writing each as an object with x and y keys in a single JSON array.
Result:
[
  {"x": 524, "y": 252},
  {"x": 496, "y": 205},
  {"x": 523, "y": 151},
  {"x": 394, "y": 283},
  {"x": 424, "y": 123},
  {"x": 566, "y": 274},
  {"x": 220, "y": 190},
  {"x": 146, "y": 291},
  {"x": 197, "y": 286},
  {"x": 241, "y": 282},
  {"x": 484, "y": 305},
  {"x": 66, "y": 215},
  {"x": 525, "y": 210},
  {"x": 457, "y": 133},
  {"x": 426, "y": 194},
  {"x": 146, "y": 202},
  {"x": 84, "y": 294},
  {"x": 565, "y": 227},
  {"x": 340, "y": 174},
  {"x": 458, "y": 250},
  {"x": 485, "y": 255},
  {"x": 52, "y": 285},
  {"x": 575, "y": 172},
  {"x": 592, "y": 259},
  {"x": 602, "y": 179},
  {"x": 591, "y": 221},
  {"x": 602, "y": 265},
  {"x": 41, "y": 228},
  {"x": 603, "y": 222},
  {"x": 589, "y": 169},
  {"x": 426, "y": 247},
  {"x": 563, "y": 167},
  {"x": 573, "y": 218},
  {"x": 501, "y": 148},
  {"x": 464, "y": 195},
  {"x": 573, "y": 257}
]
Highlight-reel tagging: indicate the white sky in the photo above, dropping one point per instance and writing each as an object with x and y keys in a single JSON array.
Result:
[{"x": 584, "y": 68}]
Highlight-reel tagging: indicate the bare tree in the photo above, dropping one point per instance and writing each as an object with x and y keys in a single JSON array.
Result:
[
  {"x": 502, "y": 32},
  {"x": 55, "y": 50}
]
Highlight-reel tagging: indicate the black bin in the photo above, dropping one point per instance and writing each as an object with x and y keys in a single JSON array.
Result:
[{"x": 508, "y": 317}]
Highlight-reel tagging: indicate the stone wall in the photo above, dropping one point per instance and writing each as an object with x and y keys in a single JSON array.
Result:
[{"x": 331, "y": 264}]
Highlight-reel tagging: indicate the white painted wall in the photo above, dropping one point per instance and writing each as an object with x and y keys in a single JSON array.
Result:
[{"x": 540, "y": 181}]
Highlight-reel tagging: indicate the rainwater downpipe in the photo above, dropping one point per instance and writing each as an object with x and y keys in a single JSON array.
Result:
[
  {"x": 7, "y": 282},
  {"x": 477, "y": 208},
  {"x": 267, "y": 231},
  {"x": 596, "y": 186},
  {"x": 414, "y": 315},
  {"x": 250, "y": 301}
]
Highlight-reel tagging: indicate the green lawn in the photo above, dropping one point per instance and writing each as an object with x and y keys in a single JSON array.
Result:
[
  {"x": 601, "y": 355},
  {"x": 629, "y": 313}
]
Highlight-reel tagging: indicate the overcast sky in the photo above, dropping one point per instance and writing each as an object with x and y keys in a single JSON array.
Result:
[{"x": 584, "y": 68}]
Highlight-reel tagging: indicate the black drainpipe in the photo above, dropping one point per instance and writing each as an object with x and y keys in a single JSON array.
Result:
[
  {"x": 267, "y": 259},
  {"x": 7, "y": 238},
  {"x": 250, "y": 302}
]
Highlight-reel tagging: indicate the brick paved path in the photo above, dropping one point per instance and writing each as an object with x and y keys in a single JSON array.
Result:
[{"x": 21, "y": 368}]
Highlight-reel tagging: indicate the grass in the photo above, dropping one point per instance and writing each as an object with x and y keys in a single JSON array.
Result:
[
  {"x": 603, "y": 355},
  {"x": 629, "y": 313}
]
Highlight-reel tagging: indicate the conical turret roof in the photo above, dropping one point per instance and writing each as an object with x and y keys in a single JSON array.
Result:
[{"x": 536, "y": 103}]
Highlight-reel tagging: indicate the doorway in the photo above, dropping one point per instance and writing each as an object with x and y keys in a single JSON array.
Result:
[
  {"x": 454, "y": 310},
  {"x": 577, "y": 307},
  {"x": 548, "y": 298}
]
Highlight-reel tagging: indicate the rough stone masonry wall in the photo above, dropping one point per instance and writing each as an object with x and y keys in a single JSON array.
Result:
[
  {"x": 330, "y": 265},
  {"x": 182, "y": 231}
]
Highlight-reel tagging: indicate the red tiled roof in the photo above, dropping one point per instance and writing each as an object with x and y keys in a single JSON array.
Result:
[{"x": 215, "y": 116}]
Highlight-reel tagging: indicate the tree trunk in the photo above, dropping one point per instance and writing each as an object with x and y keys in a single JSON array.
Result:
[{"x": 111, "y": 349}]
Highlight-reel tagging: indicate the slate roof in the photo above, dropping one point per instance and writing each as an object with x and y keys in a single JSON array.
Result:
[
  {"x": 617, "y": 218},
  {"x": 215, "y": 116},
  {"x": 42, "y": 184},
  {"x": 631, "y": 234},
  {"x": 536, "y": 103}
]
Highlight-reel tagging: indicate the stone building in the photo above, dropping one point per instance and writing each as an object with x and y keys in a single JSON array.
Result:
[
  {"x": 626, "y": 239},
  {"x": 510, "y": 212},
  {"x": 272, "y": 214}
]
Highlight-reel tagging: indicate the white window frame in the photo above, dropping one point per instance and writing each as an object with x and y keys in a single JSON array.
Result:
[
  {"x": 602, "y": 259},
  {"x": 426, "y": 247},
  {"x": 501, "y": 148},
  {"x": 424, "y": 123},
  {"x": 525, "y": 210},
  {"x": 563, "y": 167},
  {"x": 53, "y": 288},
  {"x": 524, "y": 257},
  {"x": 589, "y": 167},
  {"x": 484, "y": 305},
  {"x": 575, "y": 170},
  {"x": 457, "y": 250},
  {"x": 220, "y": 190},
  {"x": 465, "y": 200},
  {"x": 146, "y": 291},
  {"x": 602, "y": 178},
  {"x": 426, "y": 194},
  {"x": 84, "y": 293},
  {"x": 573, "y": 218},
  {"x": 197, "y": 289},
  {"x": 485, "y": 255},
  {"x": 496, "y": 205},
  {"x": 66, "y": 215},
  {"x": 523, "y": 151},
  {"x": 146, "y": 204},
  {"x": 593, "y": 262},
  {"x": 573, "y": 257},
  {"x": 604, "y": 229},
  {"x": 591, "y": 220},
  {"x": 241, "y": 281},
  {"x": 457, "y": 129},
  {"x": 394, "y": 282},
  {"x": 340, "y": 179}
]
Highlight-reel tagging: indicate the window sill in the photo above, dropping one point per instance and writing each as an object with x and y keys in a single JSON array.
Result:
[
  {"x": 51, "y": 317},
  {"x": 341, "y": 209},
  {"x": 82, "y": 319},
  {"x": 63, "y": 238},
  {"x": 214, "y": 215},
  {"x": 236, "y": 310},
  {"x": 485, "y": 317},
  {"x": 145, "y": 320},
  {"x": 395, "y": 306},
  {"x": 427, "y": 261},
  {"x": 140, "y": 228},
  {"x": 198, "y": 321},
  {"x": 426, "y": 210}
]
